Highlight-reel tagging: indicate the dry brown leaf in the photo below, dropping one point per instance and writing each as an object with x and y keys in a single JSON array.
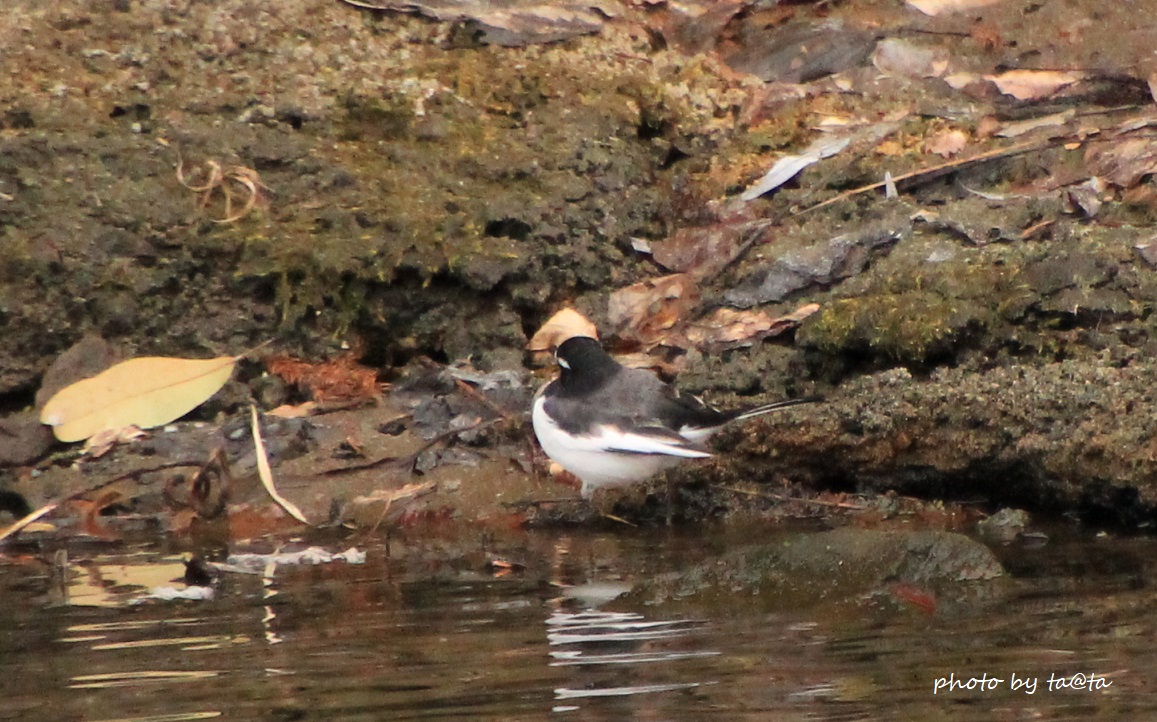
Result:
[
  {"x": 294, "y": 411},
  {"x": 565, "y": 324},
  {"x": 1124, "y": 162},
  {"x": 1033, "y": 84},
  {"x": 266, "y": 474},
  {"x": 946, "y": 143},
  {"x": 729, "y": 327},
  {"x": 646, "y": 311},
  {"x": 145, "y": 392}
]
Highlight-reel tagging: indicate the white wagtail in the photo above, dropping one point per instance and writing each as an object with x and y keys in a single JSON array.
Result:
[{"x": 612, "y": 426}]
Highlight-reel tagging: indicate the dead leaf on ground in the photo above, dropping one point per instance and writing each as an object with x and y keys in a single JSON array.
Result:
[
  {"x": 705, "y": 250},
  {"x": 1123, "y": 161},
  {"x": 730, "y": 328},
  {"x": 944, "y": 7},
  {"x": 645, "y": 312},
  {"x": 90, "y": 513},
  {"x": 514, "y": 24},
  {"x": 1033, "y": 84},
  {"x": 946, "y": 143},
  {"x": 294, "y": 411},
  {"x": 102, "y": 442},
  {"x": 565, "y": 324},
  {"x": 904, "y": 58},
  {"x": 1017, "y": 128},
  {"x": 266, "y": 474},
  {"x": 340, "y": 379},
  {"x": 145, "y": 392}
]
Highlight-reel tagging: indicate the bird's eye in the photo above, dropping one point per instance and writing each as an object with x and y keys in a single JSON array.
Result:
[{"x": 562, "y": 362}]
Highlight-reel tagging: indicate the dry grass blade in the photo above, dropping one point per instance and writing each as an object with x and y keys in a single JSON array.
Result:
[
  {"x": 24, "y": 522},
  {"x": 266, "y": 473}
]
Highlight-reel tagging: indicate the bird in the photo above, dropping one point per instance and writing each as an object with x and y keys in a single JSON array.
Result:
[{"x": 613, "y": 426}]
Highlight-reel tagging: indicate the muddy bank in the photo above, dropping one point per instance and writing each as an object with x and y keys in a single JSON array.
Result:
[{"x": 407, "y": 189}]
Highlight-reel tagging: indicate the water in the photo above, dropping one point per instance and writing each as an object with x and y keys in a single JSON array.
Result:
[{"x": 520, "y": 629}]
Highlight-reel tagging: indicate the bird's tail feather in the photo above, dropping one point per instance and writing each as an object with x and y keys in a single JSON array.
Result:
[{"x": 776, "y": 406}]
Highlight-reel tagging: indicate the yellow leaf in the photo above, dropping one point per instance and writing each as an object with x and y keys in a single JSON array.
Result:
[{"x": 144, "y": 392}]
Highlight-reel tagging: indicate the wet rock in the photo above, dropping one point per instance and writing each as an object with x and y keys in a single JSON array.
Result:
[
  {"x": 822, "y": 264},
  {"x": 23, "y": 439},
  {"x": 1004, "y": 526},
  {"x": 838, "y": 566}
]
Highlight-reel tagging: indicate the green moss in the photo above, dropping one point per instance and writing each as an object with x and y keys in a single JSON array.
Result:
[{"x": 917, "y": 312}]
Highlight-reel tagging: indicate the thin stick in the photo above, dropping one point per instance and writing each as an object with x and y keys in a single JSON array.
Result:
[
  {"x": 934, "y": 171},
  {"x": 780, "y": 497}
]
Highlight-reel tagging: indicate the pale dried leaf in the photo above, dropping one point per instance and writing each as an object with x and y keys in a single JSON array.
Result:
[
  {"x": 942, "y": 7},
  {"x": 903, "y": 58},
  {"x": 729, "y": 327},
  {"x": 565, "y": 324},
  {"x": 1124, "y": 161},
  {"x": 1018, "y": 128},
  {"x": 294, "y": 411},
  {"x": 145, "y": 392},
  {"x": 266, "y": 474},
  {"x": 101, "y": 442},
  {"x": 946, "y": 143},
  {"x": 789, "y": 166},
  {"x": 1033, "y": 84}
]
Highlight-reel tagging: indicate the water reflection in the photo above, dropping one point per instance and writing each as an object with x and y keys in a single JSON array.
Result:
[{"x": 432, "y": 629}]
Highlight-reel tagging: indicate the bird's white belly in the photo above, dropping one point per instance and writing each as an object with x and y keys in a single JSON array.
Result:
[{"x": 588, "y": 457}]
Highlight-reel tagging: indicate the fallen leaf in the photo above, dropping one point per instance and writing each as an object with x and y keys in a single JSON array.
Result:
[
  {"x": 90, "y": 512},
  {"x": 706, "y": 250},
  {"x": 1123, "y": 161},
  {"x": 515, "y": 25},
  {"x": 903, "y": 58},
  {"x": 565, "y": 324},
  {"x": 1018, "y": 128},
  {"x": 145, "y": 392},
  {"x": 729, "y": 328},
  {"x": 266, "y": 474},
  {"x": 789, "y": 166},
  {"x": 644, "y": 312},
  {"x": 941, "y": 7},
  {"x": 946, "y": 143},
  {"x": 1033, "y": 84},
  {"x": 102, "y": 442},
  {"x": 294, "y": 411}
]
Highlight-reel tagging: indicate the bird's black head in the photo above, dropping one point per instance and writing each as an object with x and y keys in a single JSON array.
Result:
[{"x": 584, "y": 365}]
